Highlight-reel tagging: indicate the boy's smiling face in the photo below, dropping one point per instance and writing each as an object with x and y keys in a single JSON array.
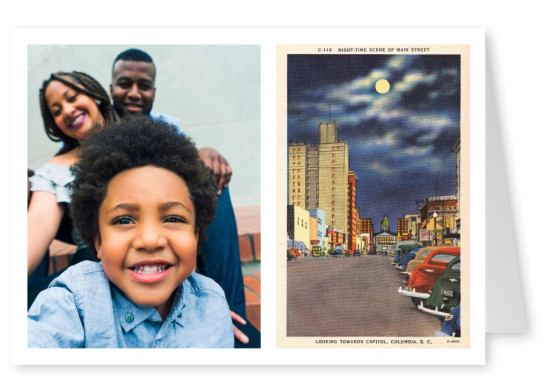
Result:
[{"x": 147, "y": 240}]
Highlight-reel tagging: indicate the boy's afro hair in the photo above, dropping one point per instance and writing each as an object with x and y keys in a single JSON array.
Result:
[{"x": 136, "y": 141}]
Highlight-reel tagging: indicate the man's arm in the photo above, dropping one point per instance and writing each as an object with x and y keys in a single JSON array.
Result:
[
  {"x": 218, "y": 165},
  {"x": 210, "y": 157}
]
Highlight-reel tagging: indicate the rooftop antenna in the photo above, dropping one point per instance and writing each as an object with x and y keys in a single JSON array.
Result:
[{"x": 329, "y": 112}]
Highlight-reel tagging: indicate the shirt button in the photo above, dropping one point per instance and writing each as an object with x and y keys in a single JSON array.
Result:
[
  {"x": 180, "y": 314},
  {"x": 129, "y": 318}
]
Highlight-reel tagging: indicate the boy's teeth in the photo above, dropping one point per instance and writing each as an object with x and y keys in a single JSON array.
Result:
[{"x": 150, "y": 269}]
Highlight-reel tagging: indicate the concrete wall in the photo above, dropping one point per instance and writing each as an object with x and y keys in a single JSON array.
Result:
[{"x": 214, "y": 91}]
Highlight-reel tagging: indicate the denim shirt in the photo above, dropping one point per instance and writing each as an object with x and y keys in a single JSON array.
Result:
[{"x": 82, "y": 309}]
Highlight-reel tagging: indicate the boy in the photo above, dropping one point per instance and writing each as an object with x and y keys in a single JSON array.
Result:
[{"x": 141, "y": 198}]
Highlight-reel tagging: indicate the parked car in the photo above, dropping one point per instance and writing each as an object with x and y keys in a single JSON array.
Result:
[
  {"x": 290, "y": 254},
  {"x": 398, "y": 247},
  {"x": 409, "y": 256},
  {"x": 423, "y": 277},
  {"x": 422, "y": 254},
  {"x": 452, "y": 324},
  {"x": 295, "y": 251},
  {"x": 357, "y": 253},
  {"x": 446, "y": 292},
  {"x": 404, "y": 250},
  {"x": 338, "y": 252}
]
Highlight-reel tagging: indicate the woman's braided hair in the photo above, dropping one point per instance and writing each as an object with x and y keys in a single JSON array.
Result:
[{"x": 85, "y": 84}]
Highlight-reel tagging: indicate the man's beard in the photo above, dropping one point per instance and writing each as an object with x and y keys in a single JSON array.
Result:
[{"x": 119, "y": 108}]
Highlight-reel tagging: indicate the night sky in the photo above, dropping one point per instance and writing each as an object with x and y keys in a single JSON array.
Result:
[{"x": 399, "y": 141}]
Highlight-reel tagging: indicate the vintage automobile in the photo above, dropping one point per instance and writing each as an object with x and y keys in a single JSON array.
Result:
[
  {"x": 295, "y": 251},
  {"x": 423, "y": 277},
  {"x": 452, "y": 324},
  {"x": 357, "y": 253},
  {"x": 446, "y": 292},
  {"x": 404, "y": 250},
  {"x": 338, "y": 252},
  {"x": 399, "y": 250},
  {"x": 290, "y": 254},
  {"x": 419, "y": 259},
  {"x": 409, "y": 256},
  {"x": 317, "y": 251}
]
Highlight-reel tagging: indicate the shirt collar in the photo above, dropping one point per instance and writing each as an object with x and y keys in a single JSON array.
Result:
[{"x": 130, "y": 314}]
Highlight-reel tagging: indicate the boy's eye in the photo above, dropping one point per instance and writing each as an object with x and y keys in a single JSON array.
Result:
[
  {"x": 122, "y": 220},
  {"x": 175, "y": 219}
]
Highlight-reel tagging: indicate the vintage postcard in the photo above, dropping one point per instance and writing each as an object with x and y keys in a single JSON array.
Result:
[{"x": 375, "y": 246}]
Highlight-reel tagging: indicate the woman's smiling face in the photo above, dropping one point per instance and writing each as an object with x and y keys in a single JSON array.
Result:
[
  {"x": 73, "y": 112},
  {"x": 147, "y": 240}
]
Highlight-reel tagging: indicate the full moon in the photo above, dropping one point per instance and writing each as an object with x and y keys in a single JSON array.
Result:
[{"x": 382, "y": 86}]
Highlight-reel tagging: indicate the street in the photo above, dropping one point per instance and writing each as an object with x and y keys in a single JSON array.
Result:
[{"x": 351, "y": 296}]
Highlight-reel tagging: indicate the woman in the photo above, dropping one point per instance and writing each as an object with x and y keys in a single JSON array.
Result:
[{"x": 71, "y": 104}]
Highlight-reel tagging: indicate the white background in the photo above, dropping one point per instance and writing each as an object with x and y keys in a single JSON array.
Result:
[{"x": 518, "y": 59}]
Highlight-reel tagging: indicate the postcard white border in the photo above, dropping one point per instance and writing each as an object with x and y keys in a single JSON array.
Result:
[{"x": 268, "y": 38}]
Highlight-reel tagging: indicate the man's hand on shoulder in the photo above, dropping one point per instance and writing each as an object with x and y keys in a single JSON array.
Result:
[
  {"x": 238, "y": 334},
  {"x": 218, "y": 165}
]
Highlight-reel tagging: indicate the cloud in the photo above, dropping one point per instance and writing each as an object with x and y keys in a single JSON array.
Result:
[
  {"x": 399, "y": 141},
  {"x": 379, "y": 167}
]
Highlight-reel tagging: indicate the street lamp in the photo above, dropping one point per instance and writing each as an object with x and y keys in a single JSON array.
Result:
[{"x": 435, "y": 215}]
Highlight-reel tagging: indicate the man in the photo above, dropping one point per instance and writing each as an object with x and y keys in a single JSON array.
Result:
[{"x": 133, "y": 93}]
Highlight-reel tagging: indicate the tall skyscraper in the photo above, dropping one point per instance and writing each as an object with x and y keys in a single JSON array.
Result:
[
  {"x": 352, "y": 211},
  {"x": 402, "y": 230},
  {"x": 333, "y": 175},
  {"x": 318, "y": 175},
  {"x": 297, "y": 175}
]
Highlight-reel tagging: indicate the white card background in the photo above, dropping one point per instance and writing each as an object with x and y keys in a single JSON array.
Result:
[{"x": 517, "y": 57}]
